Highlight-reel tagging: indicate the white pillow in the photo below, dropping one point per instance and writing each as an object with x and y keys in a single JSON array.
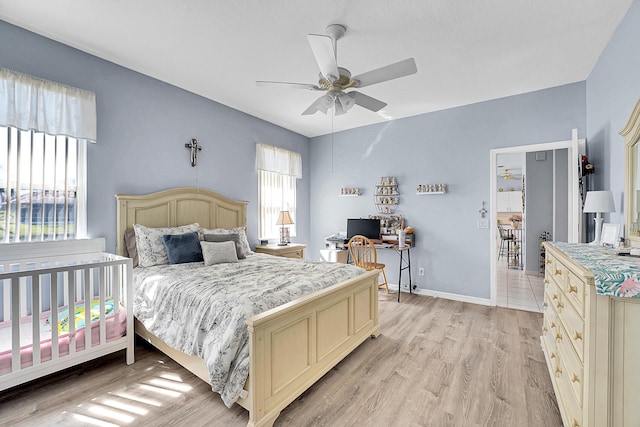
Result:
[
  {"x": 219, "y": 252},
  {"x": 241, "y": 231},
  {"x": 151, "y": 250}
]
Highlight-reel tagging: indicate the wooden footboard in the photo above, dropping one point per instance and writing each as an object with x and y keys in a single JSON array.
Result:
[{"x": 294, "y": 345}]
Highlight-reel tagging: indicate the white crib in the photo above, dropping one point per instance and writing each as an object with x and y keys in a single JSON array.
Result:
[{"x": 44, "y": 283}]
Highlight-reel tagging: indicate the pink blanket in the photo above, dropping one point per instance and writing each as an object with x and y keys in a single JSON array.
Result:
[{"x": 116, "y": 327}]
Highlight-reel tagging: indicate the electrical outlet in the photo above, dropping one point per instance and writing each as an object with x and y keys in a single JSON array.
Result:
[{"x": 421, "y": 272}]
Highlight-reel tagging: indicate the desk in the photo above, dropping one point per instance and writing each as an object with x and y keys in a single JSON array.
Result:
[
  {"x": 403, "y": 265},
  {"x": 343, "y": 256}
]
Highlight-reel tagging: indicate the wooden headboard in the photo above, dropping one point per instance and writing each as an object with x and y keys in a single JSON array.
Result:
[{"x": 178, "y": 206}]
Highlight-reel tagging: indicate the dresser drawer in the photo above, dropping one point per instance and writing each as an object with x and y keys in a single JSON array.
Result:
[
  {"x": 570, "y": 409},
  {"x": 571, "y": 365},
  {"x": 574, "y": 325},
  {"x": 575, "y": 291}
]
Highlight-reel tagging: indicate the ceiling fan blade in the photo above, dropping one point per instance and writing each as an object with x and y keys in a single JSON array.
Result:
[
  {"x": 367, "y": 102},
  {"x": 321, "y": 104},
  {"x": 389, "y": 72},
  {"x": 322, "y": 47},
  {"x": 288, "y": 84}
]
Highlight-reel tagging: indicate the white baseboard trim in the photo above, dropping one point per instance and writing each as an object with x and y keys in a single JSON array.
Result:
[{"x": 445, "y": 295}]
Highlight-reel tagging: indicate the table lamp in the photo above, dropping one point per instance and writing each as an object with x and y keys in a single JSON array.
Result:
[
  {"x": 598, "y": 202},
  {"x": 284, "y": 218}
]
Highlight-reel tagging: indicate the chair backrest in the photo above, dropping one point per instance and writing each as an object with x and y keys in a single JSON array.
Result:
[
  {"x": 503, "y": 232},
  {"x": 363, "y": 252}
]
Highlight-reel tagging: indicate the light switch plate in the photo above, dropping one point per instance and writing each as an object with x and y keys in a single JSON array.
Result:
[{"x": 483, "y": 223}]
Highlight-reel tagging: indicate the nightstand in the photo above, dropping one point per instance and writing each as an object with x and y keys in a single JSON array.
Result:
[{"x": 292, "y": 250}]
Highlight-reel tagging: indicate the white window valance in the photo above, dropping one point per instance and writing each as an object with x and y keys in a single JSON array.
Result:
[
  {"x": 30, "y": 103},
  {"x": 279, "y": 160}
]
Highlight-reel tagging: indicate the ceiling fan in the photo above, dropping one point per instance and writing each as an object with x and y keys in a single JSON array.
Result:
[{"x": 336, "y": 80}]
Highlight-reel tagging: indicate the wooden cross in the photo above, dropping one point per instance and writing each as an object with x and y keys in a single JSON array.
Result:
[{"x": 194, "y": 147}]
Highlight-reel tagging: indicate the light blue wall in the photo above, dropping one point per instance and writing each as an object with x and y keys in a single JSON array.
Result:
[
  {"x": 143, "y": 125},
  {"x": 450, "y": 147},
  {"x": 613, "y": 88}
]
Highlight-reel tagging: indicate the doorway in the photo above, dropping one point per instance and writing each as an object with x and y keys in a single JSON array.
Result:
[{"x": 550, "y": 202}]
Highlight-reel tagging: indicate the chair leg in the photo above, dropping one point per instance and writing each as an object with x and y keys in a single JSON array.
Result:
[{"x": 385, "y": 284}]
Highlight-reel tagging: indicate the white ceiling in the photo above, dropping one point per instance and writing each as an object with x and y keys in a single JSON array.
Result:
[{"x": 466, "y": 51}]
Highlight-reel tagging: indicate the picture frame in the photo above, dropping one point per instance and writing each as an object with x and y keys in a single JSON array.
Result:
[{"x": 610, "y": 234}]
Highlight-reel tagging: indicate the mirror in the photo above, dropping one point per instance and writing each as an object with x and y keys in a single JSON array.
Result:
[{"x": 631, "y": 134}]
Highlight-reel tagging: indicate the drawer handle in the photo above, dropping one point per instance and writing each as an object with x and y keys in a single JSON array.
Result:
[
  {"x": 577, "y": 336},
  {"x": 573, "y": 289},
  {"x": 574, "y": 423},
  {"x": 558, "y": 272},
  {"x": 575, "y": 378},
  {"x": 553, "y": 324},
  {"x": 554, "y": 296},
  {"x": 548, "y": 261},
  {"x": 544, "y": 329},
  {"x": 544, "y": 305},
  {"x": 546, "y": 281},
  {"x": 553, "y": 355},
  {"x": 558, "y": 336},
  {"x": 558, "y": 371},
  {"x": 560, "y": 306}
]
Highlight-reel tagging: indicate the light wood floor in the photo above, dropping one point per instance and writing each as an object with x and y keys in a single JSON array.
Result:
[{"x": 436, "y": 363}]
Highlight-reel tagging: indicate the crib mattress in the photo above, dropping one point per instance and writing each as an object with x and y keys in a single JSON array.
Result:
[{"x": 115, "y": 329}]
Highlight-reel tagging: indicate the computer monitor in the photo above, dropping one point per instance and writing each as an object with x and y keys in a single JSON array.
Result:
[{"x": 366, "y": 227}]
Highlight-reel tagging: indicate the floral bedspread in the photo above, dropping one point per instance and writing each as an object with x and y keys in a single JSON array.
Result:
[
  {"x": 613, "y": 275},
  {"x": 202, "y": 310}
]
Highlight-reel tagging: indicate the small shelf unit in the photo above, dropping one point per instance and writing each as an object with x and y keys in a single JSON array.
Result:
[{"x": 386, "y": 197}]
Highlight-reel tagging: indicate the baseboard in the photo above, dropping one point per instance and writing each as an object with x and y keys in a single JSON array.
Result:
[{"x": 445, "y": 295}]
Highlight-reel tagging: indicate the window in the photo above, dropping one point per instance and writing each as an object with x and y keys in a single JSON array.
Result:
[
  {"x": 44, "y": 127},
  {"x": 41, "y": 184},
  {"x": 278, "y": 170}
]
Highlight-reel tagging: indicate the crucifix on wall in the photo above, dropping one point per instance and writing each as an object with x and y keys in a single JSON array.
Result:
[{"x": 194, "y": 147}]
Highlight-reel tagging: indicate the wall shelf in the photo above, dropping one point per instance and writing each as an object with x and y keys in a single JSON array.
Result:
[
  {"x": 350, "y": 192},
  {"x": 387, "y": 196},
  {"x": 431, "y": 189}
]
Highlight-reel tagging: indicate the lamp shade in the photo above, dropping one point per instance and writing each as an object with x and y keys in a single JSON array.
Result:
[
  {"x": 598, "y": 202},
  {"x": 284, "y": 218}
]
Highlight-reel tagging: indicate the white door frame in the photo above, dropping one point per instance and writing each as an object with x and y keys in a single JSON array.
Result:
[{"x": 574, "y": 147}]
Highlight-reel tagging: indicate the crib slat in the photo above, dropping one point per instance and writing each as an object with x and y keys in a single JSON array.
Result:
[
  {"x": 15, "y": 325},
  {"x": 71, "y": 282},
  {"x": 101, "y": 292},
  {"x": 35, "y": 317},
  {"x": 87, "y": 309},
  {"x": 54, "y": 316}
]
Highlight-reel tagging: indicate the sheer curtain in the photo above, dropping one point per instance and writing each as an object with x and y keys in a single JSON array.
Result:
[
  {"x": 278, "y": 170},
  {"x": 44, "y": 129},
  {"x": 30, "y": 103}
]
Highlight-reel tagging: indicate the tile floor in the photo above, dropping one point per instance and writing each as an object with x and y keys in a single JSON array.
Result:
[{"x": 517, "y": 289}]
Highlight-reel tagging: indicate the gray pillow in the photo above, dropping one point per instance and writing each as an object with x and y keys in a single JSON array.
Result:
[
  {"x": 226, "y": 238},
  {"x": 219, "y": 252},
  {"x": 183, "y": 248},
  {"x": 130, "y": 245}
]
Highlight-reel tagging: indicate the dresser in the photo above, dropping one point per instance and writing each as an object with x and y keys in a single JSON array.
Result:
[
  {"x": 591, "y": 334},
  {"x": 292, "y": 250}
]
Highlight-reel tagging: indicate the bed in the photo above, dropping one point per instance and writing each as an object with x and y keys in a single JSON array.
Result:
[
  {"x": 290, "y": 346},
  {"x": 62, "y": 303}
]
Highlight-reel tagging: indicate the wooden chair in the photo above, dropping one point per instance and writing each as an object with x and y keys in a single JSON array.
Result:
[{"x": 363, "y": 253}]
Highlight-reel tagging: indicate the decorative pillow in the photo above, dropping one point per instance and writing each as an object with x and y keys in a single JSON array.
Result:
[
  {"x": 219, "y": 252},
  {"x": 130, "y": 245},
  {"x": 241, "y": 231},
  {"x": 226, "y": 238},
  {"x": 151, "y": 250},
  {"x": 183, "y": 248}
]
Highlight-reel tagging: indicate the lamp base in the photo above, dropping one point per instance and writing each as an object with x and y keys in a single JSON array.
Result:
[{"x": 598, "y": 220}]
